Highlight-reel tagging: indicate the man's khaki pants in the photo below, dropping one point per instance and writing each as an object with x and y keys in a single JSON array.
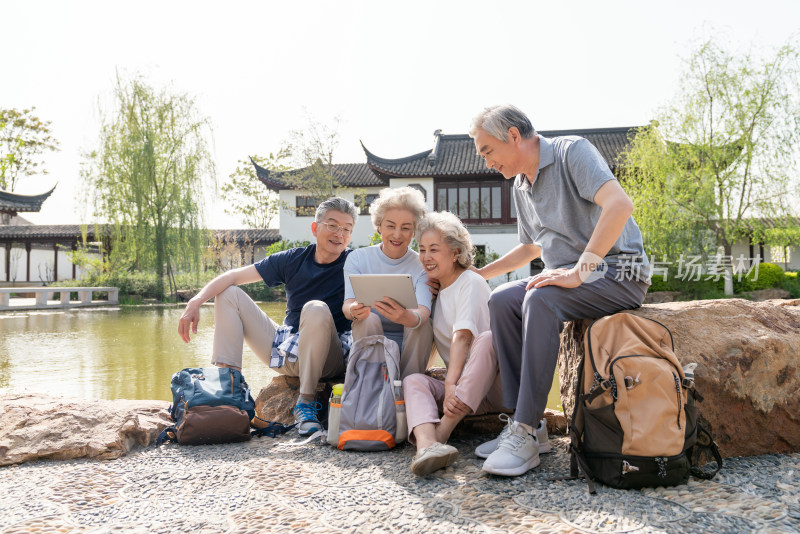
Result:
[
  {"x": 417, "y": 343},
  {"x": 238, "y": 319}
]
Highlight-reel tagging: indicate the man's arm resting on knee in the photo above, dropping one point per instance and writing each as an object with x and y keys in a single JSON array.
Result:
[
  {"x": 617, "y": 208},
  {"x": 191, "y": 314},
  {"x": 517, "y": 257}
]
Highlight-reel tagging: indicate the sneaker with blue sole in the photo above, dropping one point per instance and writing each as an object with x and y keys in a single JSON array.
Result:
[{"x": 306, "y": 416}]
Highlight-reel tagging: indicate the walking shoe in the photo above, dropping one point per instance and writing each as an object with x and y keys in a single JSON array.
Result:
[
  {"x": 306, "y": 416},
  {"x": 485, "y": 449},
  {"x": 431, "y": 458},
  {"x": 516, "y": 454}
]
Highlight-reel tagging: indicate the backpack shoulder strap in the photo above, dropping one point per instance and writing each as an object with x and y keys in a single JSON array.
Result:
[
  {"x": 168, "y": 434},
  {"x": 704, "y": 447},
  {"x": 273, "y": 429}
]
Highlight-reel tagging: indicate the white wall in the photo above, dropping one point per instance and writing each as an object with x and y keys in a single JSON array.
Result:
[
  {"x": 42, "y": 260},
  {"x": 426, "y": 183},
  {"x": 499, "y": 239}
]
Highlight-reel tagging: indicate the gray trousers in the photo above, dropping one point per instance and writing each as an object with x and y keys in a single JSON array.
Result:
[{"x": 526, "y": 328}]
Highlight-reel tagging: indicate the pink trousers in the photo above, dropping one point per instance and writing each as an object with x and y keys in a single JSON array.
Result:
[{"x": 479, "y": 387}]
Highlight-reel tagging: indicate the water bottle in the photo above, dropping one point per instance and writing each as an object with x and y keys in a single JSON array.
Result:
[
  {"x": 334, "y": 411},
  {"x": 400, "y": 410},
  {"x": 688, "y": 370}
]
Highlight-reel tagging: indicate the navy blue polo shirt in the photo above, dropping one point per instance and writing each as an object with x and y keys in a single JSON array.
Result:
[{"x": 307, "y": 280}]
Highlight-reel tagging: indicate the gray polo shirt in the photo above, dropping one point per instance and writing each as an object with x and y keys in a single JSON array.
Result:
[{"x": 557, "y": 212}]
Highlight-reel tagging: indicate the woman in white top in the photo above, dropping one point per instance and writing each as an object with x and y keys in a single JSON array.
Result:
[
  {"x": 463, "y": 340},
  {"x": 395, "y": 214}
]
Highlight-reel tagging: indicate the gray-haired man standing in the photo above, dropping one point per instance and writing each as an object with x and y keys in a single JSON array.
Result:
[
  {"x": 315, "y": 335},
  {"x": 573, "y": 213}
]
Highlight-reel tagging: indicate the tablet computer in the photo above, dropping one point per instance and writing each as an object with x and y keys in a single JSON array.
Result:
[{"x": 369, "y": 288}]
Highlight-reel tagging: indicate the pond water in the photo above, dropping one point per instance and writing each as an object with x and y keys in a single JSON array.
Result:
[{"x": 114, "y": 353}]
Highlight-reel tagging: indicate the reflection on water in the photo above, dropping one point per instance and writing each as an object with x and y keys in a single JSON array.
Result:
[
  {"x": 116, "y": 353},
  {"x": 109, "y": 353}
]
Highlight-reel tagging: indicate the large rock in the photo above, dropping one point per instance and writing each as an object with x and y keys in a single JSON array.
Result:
[
  {"x": 748, "y": 355},
  {"x": 277, "y": 399},
  {"x": 36, "y": 427}
]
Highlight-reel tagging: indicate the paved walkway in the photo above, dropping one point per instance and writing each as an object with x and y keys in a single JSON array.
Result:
[{"x": 269, "y": 485}]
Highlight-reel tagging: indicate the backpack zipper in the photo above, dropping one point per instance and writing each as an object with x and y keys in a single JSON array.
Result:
[
  {"x": 678, "y": 391},
  {"x": 380, "y": 399},
  {"x": 589, "y": 342}
]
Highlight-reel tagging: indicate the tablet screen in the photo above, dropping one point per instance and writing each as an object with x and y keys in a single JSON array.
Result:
[{"x": 369, "y": 288}]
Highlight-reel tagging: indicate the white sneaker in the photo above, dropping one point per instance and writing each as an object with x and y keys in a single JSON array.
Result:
[
  {"x": 516, "y": 454},
  {"x": 430, "y": 459},
  {"x": 485, "y": 449}
]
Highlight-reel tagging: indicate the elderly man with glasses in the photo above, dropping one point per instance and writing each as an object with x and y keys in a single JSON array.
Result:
[{"x": 315, "y": 335}]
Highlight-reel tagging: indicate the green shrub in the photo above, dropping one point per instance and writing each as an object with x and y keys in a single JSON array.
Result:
[
  {"x": 700, "y": 289},
  {"x": 260, "y": 291},
  {"x": 129, "y": 283},
  {"x": 280, "y": 246},
  {"x": 767, "y": 276},
  {"x": 792, "y": 284},
  {"x": 657, "y": 283},
  {"x": 194, "y": 280}
]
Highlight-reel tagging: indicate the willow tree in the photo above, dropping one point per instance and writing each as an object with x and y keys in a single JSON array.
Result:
[
  {"x": 148, "y": 177},
  {"x": 721, "y": 156}
]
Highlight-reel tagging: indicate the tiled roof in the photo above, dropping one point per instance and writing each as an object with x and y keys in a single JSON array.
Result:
[
  {"x": 250, "y": 235},
  {"x": 450, "y": 155},
  {"x": 48, "y": 231},
  {"x": 73, "y": 231},
  {"x": 346, "y": 175},
  {"x": 611, "y": 142},
  {"x": 455, "y": 154},
  {"x": 14, "y": 202}
]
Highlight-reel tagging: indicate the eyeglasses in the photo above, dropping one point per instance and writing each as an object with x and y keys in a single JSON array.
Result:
[{"x": 335, "y": 228}]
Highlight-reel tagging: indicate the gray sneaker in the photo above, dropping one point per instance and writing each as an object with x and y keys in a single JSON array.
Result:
[
  {"x": 485, "y": 449},
  {"x": 516, "y": 454}
]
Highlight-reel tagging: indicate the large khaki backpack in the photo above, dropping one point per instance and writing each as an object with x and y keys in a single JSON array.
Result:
[{"x": 635, "y": 423}]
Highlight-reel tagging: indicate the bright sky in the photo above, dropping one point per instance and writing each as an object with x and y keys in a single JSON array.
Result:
[{"x": 393, "y": 71}]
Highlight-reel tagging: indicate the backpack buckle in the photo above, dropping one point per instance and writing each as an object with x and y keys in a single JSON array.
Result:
[{"x": 688, "y": 383}]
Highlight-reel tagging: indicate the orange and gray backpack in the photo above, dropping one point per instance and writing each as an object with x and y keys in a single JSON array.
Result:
[
  {"x": 369, "y": 415},
  {"x": 635, "y": 422}
]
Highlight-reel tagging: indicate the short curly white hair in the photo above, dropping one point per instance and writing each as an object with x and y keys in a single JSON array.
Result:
[
  {"x": 453, "y": 233},
  {"x": 404, "y": 198}
]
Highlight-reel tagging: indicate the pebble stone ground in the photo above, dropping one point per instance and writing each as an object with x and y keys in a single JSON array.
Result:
[{"x": 274, "y": 485}]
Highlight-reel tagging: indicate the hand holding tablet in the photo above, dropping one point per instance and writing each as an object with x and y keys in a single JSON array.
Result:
[{"x": 370, "y": 288}]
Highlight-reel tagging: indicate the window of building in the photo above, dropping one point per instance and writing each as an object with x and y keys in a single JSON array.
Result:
[
  {"x": 305, "y": 206},
  {"x": 367, "y": 201},
  {"x": 780, "y": 255},
  {"x": 486, "y": 202}
]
